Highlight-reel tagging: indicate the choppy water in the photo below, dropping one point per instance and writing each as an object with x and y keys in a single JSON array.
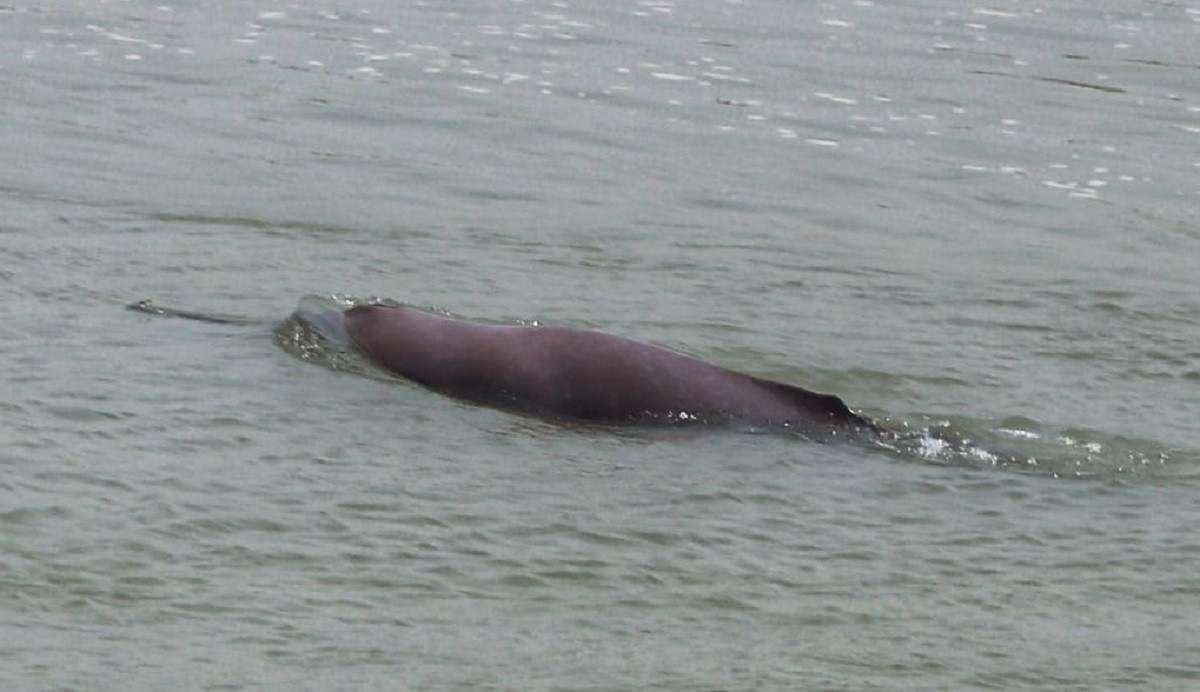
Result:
[{"x": 978, "y": 222}]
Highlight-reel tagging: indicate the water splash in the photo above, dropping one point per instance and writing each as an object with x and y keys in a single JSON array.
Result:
[
  {"x": 1021, "y": 445},
  {"x": 316, "y": 333}
]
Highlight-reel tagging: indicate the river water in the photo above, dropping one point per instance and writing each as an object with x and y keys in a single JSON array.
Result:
[{"x": 977, "y": 223}]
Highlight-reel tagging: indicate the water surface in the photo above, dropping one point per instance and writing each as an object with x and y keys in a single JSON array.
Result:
[{"x": 976, "y": 223}]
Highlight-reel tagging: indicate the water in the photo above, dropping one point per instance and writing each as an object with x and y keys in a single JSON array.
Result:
[{"x": 976, "y": 223}]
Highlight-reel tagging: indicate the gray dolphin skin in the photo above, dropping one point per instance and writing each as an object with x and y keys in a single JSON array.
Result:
[
  {"x": 559, "y": 373},
  {"x": 583, "y": 375}
]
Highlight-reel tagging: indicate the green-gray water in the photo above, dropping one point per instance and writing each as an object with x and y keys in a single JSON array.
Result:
[{"x": 970, "y": 221}]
